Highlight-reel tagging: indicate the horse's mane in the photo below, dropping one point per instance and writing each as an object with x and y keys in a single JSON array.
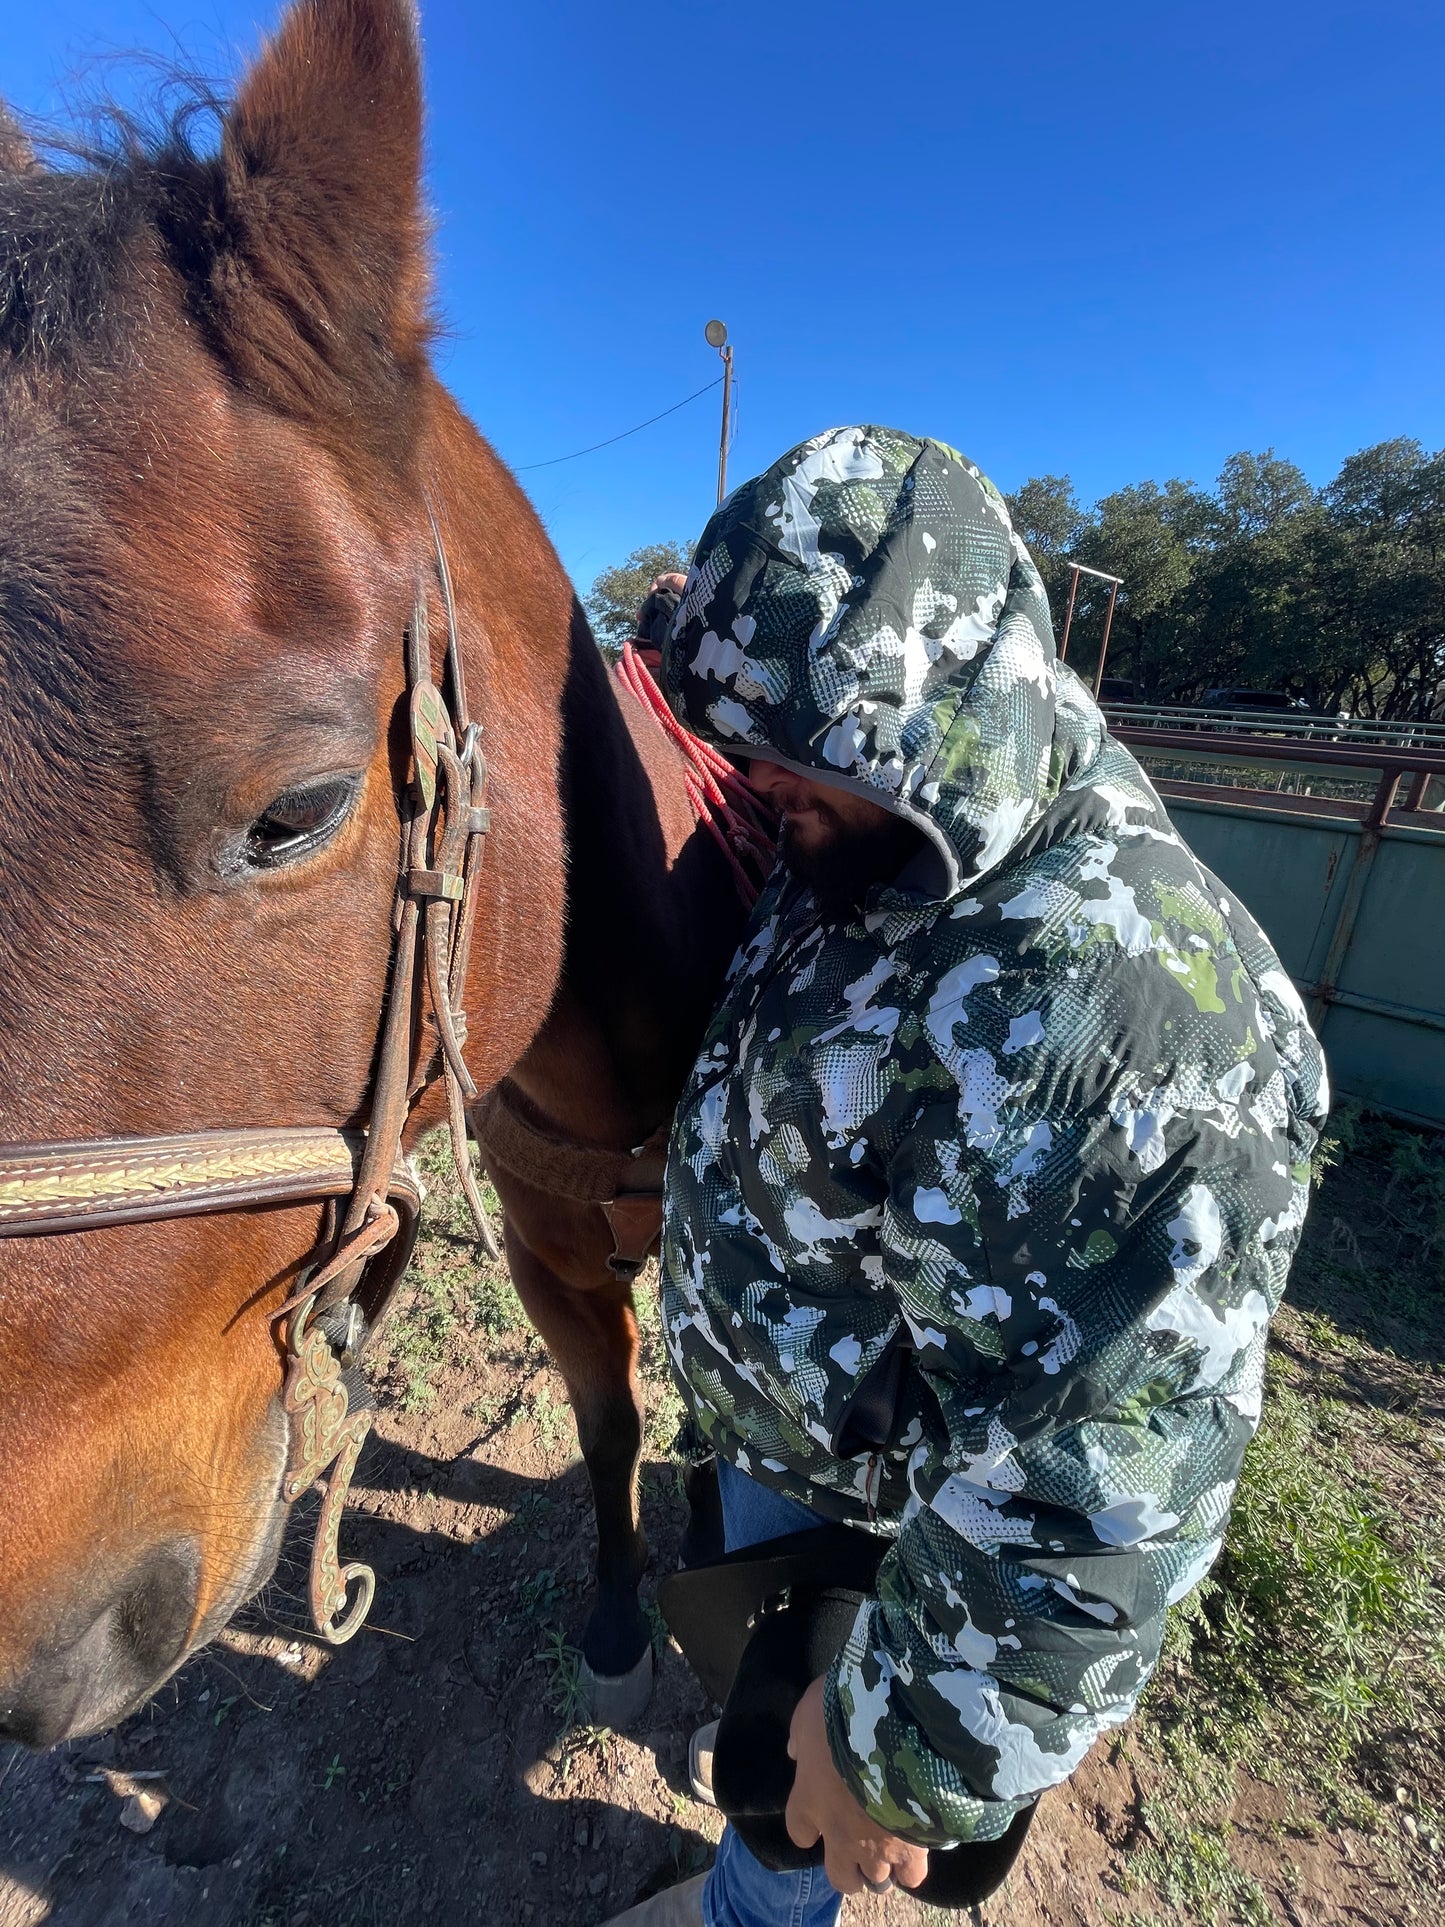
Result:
[{"x": 65, "y": 226}]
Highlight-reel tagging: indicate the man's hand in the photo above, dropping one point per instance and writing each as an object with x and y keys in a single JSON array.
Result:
[{"x": 857, "y": 1852}]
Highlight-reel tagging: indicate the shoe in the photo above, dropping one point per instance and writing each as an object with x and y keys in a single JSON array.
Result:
[
  {"x": 678, "y": 1907},
  {"x": 699, "y": 1763}
]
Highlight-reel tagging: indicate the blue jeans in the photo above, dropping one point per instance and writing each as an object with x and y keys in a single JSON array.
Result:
[{"x": 739, "y": 1891}]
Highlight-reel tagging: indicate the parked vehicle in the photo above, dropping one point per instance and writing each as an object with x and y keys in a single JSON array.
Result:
[{"x": 1274, "y": 699}]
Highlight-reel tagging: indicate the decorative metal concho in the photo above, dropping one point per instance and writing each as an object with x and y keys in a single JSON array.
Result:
[
  {"x": 325, "y": 1432},
  {"x": 430, "y": 725}
]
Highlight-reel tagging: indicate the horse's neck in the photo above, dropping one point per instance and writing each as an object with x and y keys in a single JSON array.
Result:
[{"x": 651, "y": 920}]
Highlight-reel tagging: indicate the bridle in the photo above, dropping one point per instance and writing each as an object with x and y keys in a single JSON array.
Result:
[{"x": 372, "y": 1193}]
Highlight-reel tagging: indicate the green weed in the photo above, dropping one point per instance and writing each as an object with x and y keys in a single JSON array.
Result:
[
  {"x": 552, "y": 1417},
  {"x": 1189, "y": 1868},
  {"x": 540, "y": 1593},
  {"x": 563, "y": 1663},
  {"x": 421, "y": 1339},
  {"x": 1314, "y": 1654}
]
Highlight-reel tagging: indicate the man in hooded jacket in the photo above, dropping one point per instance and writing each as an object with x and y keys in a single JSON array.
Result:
[{"x": 1009, "y": 1104}]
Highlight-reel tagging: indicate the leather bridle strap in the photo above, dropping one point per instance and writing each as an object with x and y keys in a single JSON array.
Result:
[
  {"x": 134, "y": 1180},
  {"x": 347, "y": 1284}
]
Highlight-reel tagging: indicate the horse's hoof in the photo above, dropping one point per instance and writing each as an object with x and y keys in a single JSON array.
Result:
[{"x": 616, "y": 1699}]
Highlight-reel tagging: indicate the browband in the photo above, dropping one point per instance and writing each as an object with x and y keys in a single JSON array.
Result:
[{"x": 71, "y": 1186}]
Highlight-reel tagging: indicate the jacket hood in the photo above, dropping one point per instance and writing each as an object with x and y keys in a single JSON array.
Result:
[{"x": 864, "y": 612}]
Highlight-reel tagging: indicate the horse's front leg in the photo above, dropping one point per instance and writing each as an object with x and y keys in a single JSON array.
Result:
[{"x": 592, "y": 1337}]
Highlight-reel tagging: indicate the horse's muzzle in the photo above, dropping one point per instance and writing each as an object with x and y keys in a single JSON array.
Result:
[{"x": 131, "y": 1637}]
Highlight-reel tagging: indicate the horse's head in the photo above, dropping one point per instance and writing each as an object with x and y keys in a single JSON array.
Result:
[{"x": 218, "y": 432}]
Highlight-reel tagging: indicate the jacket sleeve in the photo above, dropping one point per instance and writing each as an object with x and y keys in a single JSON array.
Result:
[{"x": 1087, "y": 1289}]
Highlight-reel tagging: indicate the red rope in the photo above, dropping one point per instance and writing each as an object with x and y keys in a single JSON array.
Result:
[{"x": 722, "y": 799}]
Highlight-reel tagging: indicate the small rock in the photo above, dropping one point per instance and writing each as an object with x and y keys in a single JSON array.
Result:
[
  {"x": 1410, "y": 1826},
  {"x": 139, "y": 1811},
  {"x": 539, "y": 1859},
  {"x": 597, "y": 1885},
  {"x": 580, "y": 1836}
]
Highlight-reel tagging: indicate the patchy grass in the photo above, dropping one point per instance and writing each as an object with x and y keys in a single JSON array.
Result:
[
  {"x": 456, "y": 1294},
  {"x": 1314, "y": 1655},
  {"x": 552, "y": 1416},
  {"x": 665, "y": 1411},
  {"x": 1188, "y": 1866}
]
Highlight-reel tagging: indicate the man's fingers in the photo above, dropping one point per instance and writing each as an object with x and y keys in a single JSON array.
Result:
[
  {"x": 876, "y": 1869},
  {"x": 910, "y": 1865},
  {"x": 841, "y": 1867},
  {"x": 875, "y": 1863}
]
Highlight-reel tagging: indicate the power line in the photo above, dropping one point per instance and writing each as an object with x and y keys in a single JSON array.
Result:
[{"x": 523, "y": 468}]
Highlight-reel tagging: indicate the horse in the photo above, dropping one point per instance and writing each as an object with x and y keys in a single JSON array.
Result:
[{"x": 275, "y": 901}]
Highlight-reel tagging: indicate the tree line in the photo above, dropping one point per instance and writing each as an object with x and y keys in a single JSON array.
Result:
[{"x": 1335, "y": 595}]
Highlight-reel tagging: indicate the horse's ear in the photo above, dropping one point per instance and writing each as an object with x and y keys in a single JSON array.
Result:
[
  {"x": 17, "y": 156},
  {"x": 320, "y": 287}
]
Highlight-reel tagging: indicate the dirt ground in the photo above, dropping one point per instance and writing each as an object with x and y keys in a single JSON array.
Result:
[{"x": 428, "y": 1771}]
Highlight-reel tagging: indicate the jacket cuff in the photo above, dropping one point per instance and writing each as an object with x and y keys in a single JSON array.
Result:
[{"x": 900, "y": 1781}]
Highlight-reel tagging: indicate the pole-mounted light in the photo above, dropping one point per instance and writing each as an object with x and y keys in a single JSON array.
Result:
[{"x": 716, "y": 336}]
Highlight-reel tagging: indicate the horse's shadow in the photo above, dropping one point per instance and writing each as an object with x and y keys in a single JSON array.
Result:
[{"x": 426, "y": 1770}]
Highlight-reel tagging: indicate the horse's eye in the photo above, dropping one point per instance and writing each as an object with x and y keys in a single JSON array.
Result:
[{"x": 299, "y": 821}]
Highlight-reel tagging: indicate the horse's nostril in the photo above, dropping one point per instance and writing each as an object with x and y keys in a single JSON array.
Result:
[
  {"x": 76, "y": 1682},
  {"x": 155, "y": 1608}
]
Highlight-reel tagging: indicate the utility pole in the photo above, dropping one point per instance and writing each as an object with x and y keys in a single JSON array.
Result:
[{"x": 716, "y": 335}]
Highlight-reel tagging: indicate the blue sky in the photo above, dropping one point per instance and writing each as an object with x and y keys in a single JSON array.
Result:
[{"x": 1117, "y": 241}]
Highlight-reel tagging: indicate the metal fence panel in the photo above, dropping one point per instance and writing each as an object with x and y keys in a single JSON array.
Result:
[{"x": 1381, "y": 1017}]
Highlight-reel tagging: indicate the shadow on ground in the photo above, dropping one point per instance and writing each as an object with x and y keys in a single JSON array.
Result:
[{"x": 415, "y": 1774}]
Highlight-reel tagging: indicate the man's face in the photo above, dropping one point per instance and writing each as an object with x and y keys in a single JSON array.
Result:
[{"x": 838, "y": 842}]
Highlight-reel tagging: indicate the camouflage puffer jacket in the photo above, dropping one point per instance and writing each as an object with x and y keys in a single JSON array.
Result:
[{"x": 1025, "y": 1145}]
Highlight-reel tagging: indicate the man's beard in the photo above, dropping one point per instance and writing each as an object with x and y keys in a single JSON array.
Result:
[{"x": 847, "y": 866}]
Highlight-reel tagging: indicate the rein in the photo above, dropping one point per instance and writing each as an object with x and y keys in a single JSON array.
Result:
[
  {"x": 346, "y": 1291},
  {"x": 723, "y": 801}
]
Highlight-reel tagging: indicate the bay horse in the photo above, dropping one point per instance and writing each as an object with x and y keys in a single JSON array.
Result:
[{"x": 226, "y": 466}]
